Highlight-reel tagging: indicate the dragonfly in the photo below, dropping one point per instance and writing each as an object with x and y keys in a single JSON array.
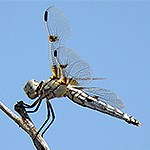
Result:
[{"x": 70, "y": 76}]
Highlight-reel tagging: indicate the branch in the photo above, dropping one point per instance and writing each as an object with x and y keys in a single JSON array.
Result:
[{"x": 26, "y": 124}]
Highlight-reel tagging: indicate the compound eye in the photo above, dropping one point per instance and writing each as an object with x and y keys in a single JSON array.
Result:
[{"x": 30, "y": 88}]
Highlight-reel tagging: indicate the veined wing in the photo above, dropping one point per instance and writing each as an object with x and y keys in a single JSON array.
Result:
[
  {"x": 58, "y": 29},
  {"x": 104, "y": 95},
  {"x": 57, "y": 25},
  {"x": 74, "y": 67}
]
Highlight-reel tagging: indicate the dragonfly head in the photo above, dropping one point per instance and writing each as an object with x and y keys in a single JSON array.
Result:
[{"x": 30, "y": 88}]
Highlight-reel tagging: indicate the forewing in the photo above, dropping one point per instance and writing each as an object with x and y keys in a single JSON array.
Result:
[
  {"x": 105, "y": 95},
  {"x": 58, "y": 29},
  {"x": 76, "y": 68}
]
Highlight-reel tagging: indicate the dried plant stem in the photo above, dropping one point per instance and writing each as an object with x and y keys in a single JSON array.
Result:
[{"x": 26, "y": 124}]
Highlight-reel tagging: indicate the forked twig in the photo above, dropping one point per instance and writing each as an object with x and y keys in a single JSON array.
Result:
[{"x": 26, "y": 124}]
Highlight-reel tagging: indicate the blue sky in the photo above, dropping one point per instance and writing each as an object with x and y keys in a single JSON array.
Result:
[{"x": 113, "y": 37}]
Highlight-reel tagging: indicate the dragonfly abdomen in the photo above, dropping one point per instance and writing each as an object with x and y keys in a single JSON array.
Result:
[{"x": 82, "y": 98}]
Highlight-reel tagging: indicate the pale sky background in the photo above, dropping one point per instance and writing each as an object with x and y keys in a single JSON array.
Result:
[{"x": 113, "y": 37}]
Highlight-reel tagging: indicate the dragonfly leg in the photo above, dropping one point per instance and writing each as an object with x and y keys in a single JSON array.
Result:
[
  {"x": 37, "y": 107},
  {"x": 48, "y": 116},
  {"x": 38, "y": 101},
  {"x": 53, "y": 116}
]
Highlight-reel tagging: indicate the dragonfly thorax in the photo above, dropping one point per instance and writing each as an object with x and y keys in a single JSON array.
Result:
[{"x": 52, "y": 88}]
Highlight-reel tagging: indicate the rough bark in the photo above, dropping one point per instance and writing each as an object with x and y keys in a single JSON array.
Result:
[{"x": 26, "y": 124}]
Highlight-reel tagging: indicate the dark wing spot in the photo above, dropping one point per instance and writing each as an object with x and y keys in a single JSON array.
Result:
[{"x": 45, "y": 16}]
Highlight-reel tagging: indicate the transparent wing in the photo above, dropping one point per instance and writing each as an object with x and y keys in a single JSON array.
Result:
[
  {"x": 58, "y": 29},
  {"x": 105, "y": 95},
  {"x": 75, "y": 67}
]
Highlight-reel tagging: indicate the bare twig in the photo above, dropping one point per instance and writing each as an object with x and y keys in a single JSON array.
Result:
[{"x": 26, "y": 124}]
